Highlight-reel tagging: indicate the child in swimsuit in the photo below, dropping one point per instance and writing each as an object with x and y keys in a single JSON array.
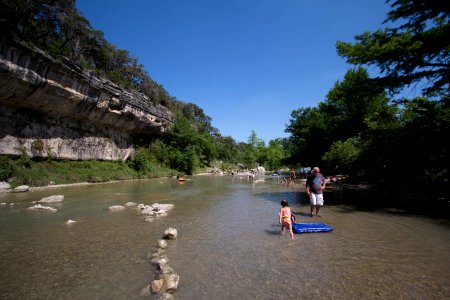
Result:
[{"x": 285, "y": 218}]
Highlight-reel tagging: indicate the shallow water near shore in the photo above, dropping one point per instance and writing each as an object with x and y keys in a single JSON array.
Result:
[{"x": 228, "y": 245}]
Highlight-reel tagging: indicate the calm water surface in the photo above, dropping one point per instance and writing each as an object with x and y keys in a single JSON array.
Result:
[{"x": 228, "y": 245}]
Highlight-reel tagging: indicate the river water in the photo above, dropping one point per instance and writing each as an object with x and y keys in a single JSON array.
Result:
[{"x": 228, "y": 245}]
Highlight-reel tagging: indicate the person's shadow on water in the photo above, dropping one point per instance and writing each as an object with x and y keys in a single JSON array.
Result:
[
  {"x": 300, "y": 213},
  {"x": 273, "y": 231}
]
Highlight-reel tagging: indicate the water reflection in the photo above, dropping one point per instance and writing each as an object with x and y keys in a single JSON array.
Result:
[{"x": 228, "y": 245}]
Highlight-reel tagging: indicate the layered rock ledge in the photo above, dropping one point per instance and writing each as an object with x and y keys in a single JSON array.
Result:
[{"x": 53, "y": 107}]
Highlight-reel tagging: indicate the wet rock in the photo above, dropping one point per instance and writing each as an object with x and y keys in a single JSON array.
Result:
[
  {"x": 162, "y": 244},
  {"x": 165, "y": 269},
  {"x": 116, "y": 208},
  {"x": 160, "y": 261},
  {"x": 70, "y": 222},
  {"x": 52, "y": 199},
  {"x": 145, "y": 291},
  {"x": 129, "y": 204},
  {"x": 168, "y": 282},
  {"x": 171, "y": 281},
  {"x": 44, "y": 208},
  {"x": 164, "y": 207},
  {"x": 157, "y": 286},
  {"x": 155, "y": 214},
  {"x": 166, "y": 296},
  {"x": 155, "y": 210},
  {"x": 159, "y": 253},
  {"x": 170, "y": 233},
  {"x": 21, "y": 189}
]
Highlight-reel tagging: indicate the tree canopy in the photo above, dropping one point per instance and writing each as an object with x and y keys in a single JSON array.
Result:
[{"x": 416, "y": 51}]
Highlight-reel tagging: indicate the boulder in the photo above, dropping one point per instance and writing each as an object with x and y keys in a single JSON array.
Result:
[
  {"x": 52, "y": 199},
  {"x": 260, "y": 170},
  {"x": 4, "y": 185},
  {"x": 155, "y": 210},
  {"x": 116, "y": 208},
  {"x": 157, "y": 286},
  {"x": 170, "y": 233},
  {"x": 168, "y": 282},
  {"x": 21, "y": 189}
]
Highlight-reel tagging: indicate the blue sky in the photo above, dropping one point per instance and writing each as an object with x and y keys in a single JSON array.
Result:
[{"x": 247, "y": 63}]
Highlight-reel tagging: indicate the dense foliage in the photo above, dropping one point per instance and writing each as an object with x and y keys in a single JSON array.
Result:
[
  {"x": 361, "y": 131},
  {"x": 416, "y": 51}
]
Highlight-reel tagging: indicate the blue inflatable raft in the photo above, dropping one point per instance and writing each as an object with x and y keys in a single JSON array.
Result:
[{"x": 310, "y": 227}]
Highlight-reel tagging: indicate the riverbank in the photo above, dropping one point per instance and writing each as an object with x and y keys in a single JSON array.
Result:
[{"x": 75, "y": 184}]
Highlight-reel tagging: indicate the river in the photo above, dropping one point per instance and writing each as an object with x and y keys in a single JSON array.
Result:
[{"x": 228, "y": 245}]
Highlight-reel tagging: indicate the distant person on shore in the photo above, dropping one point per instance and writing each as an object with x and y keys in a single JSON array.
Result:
[
  {"x": 292, "y": 177},
  {"x": 315, "y": 185},
  {"x": 286, "y": 218}
]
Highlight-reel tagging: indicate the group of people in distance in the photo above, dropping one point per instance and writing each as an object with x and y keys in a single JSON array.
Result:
[{"x": 315, "y": 185}]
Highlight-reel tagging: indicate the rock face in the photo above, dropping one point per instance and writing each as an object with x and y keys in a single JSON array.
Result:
[{"x": 50, "y": 107}]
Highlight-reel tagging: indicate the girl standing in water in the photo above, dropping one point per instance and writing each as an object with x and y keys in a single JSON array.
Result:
[{"x": 285, "y": 218}]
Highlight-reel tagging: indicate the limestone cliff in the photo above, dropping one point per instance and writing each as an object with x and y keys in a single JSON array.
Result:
[{"x": 52, "y": 107}]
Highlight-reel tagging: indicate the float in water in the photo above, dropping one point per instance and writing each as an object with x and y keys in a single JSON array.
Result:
[{"x": 310, "y": 227}]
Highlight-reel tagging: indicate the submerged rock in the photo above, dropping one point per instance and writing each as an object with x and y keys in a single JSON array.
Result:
[
  {"x": 40, "y": 207},
  {"x": 160, "y": 261},
  {"x": 162, "y": 244},
  {"x": 166, "y": 296},
  {"x": 165, "y": 269},
  {"x": 116, "y": 208},
  {"x": 145, "y": 291},
  {"x": 155, "y": 210},
  {"x": 52, "y": 199}
]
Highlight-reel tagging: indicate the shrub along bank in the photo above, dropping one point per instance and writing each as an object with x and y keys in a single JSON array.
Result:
[{"x": 25, "y": 170}]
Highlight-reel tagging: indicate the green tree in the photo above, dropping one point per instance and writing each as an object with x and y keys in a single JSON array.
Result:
[
  {"x": 227, "y": 149},
  {"x": 274, "y": 155},
  {"x": 253, "y": 154},
  {"x": 418, "y": 49},
  {"x": 349, "y": 106},
  {"x": 343, "y": 156}
]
